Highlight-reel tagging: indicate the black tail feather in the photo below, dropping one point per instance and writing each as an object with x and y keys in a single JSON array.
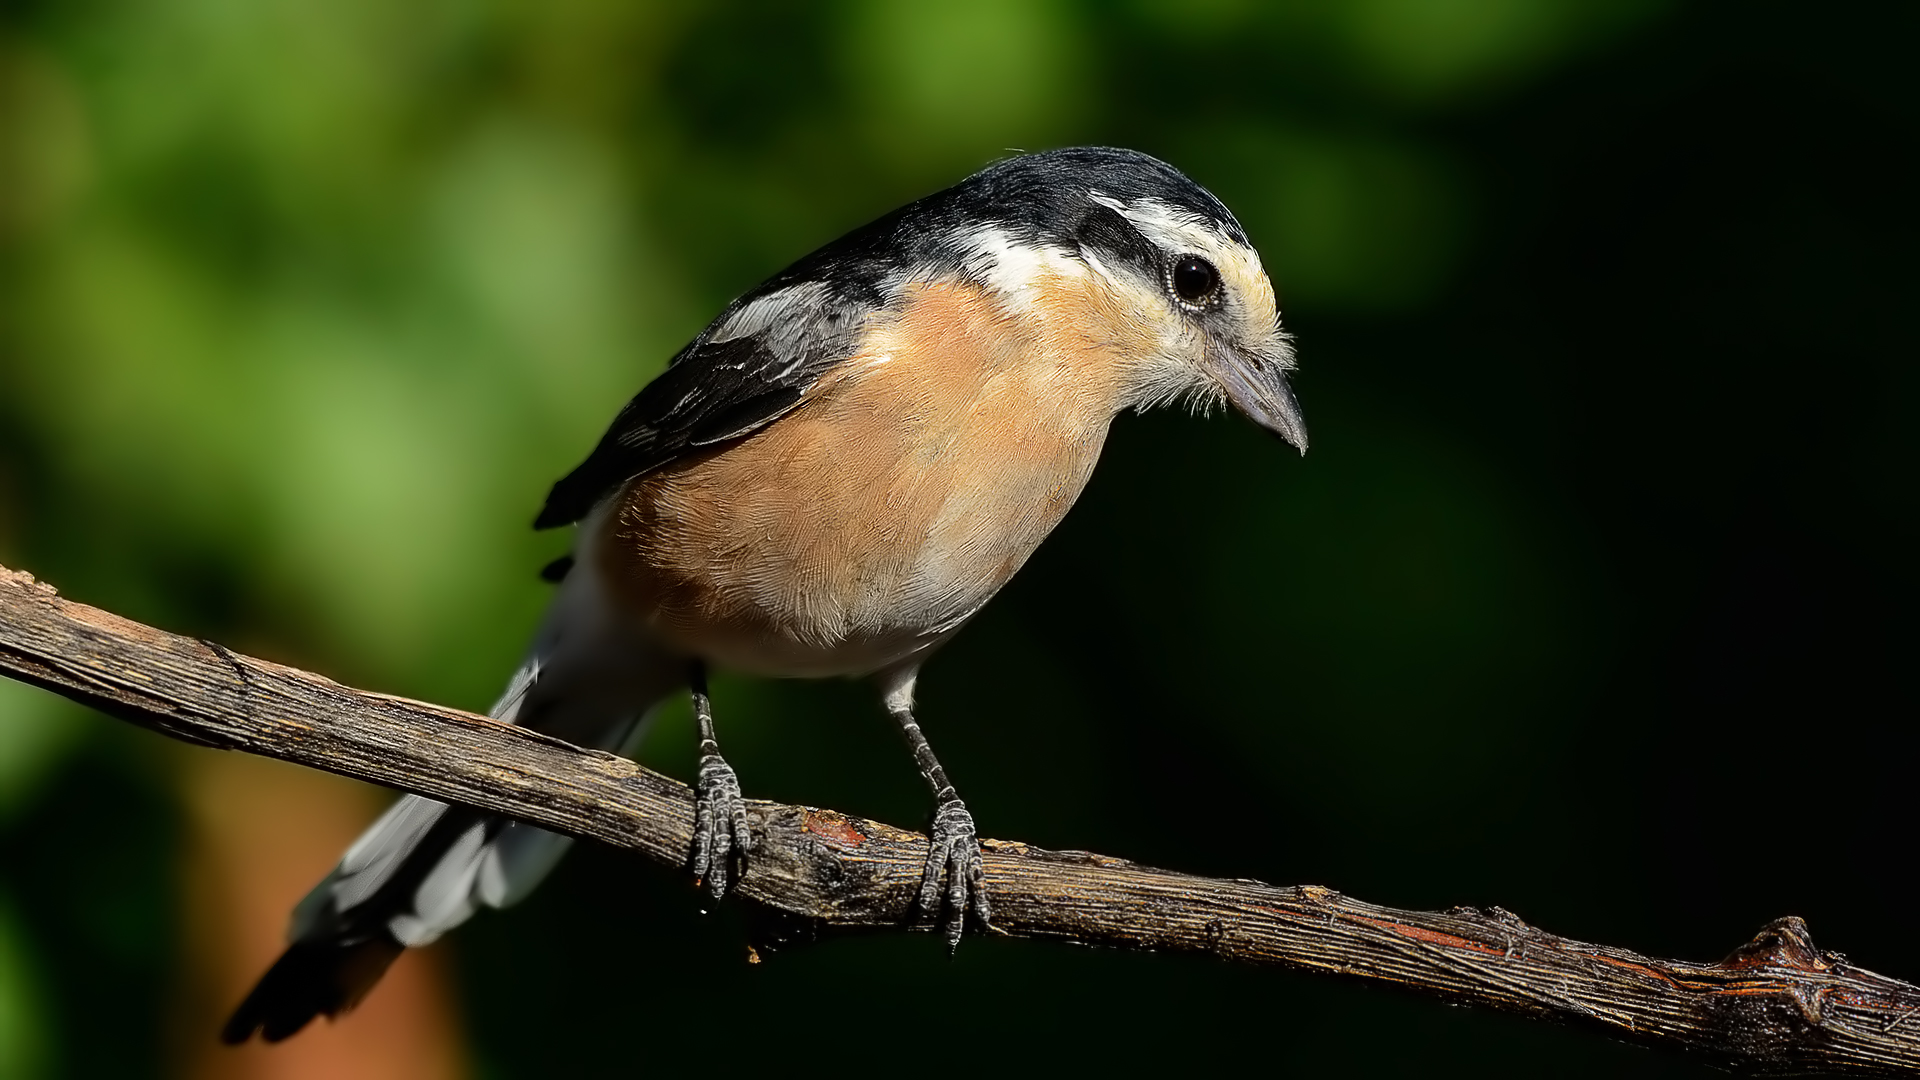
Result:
[{"x": 312, "y": 978}]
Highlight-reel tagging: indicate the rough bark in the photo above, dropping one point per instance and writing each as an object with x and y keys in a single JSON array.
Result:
[{"x": 1776, "y": 1005}]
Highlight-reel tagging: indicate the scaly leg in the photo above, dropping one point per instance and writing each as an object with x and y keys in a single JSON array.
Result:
[
  {"x": 719, "y": 813},
  {"x": 955, "y": 845}
]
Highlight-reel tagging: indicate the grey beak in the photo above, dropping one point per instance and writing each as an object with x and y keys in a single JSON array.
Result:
[{"x": 1257, "y": 386}]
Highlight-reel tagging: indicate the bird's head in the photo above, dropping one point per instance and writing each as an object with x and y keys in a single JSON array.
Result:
[{"x": 1181, "y": 292}]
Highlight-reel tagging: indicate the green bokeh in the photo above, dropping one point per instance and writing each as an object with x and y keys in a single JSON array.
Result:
[
  {"x": 40, "y": 729},
  {"x": 23, "y": 1030},
  {"x": 1592, "y": 588}
]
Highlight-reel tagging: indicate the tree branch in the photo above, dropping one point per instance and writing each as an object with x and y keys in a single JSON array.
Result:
[{"x": 1777, "y": 1005}]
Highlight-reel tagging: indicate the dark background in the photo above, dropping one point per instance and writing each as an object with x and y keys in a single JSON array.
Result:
[{"x": 1588, "y": 601}]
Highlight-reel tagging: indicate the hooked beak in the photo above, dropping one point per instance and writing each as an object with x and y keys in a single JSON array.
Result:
[{"x": 1257, "y": 386}]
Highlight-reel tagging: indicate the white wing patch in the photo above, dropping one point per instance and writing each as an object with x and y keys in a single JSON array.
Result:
[
  {"x": 770, "y": 310},
  {"x": 1013, "y": 267}
]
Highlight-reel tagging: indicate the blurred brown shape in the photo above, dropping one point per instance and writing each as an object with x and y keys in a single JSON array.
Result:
[{"x": 261, "y": 834}]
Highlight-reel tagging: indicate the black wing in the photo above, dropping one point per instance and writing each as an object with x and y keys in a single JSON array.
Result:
[{"x": 752, "y": 365}]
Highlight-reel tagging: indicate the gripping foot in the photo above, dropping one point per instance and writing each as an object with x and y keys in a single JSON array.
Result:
[
  {"x": 955, "y": 850},
  {"x": 719, "y": 823},
  {"x": 719, "y": 813}
]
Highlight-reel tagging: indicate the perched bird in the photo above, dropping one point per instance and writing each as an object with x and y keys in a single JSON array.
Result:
[{"x": 830, "y": 480}]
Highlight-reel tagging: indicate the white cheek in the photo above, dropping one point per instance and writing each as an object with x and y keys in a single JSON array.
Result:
[{"x": 1176, "y": 369}]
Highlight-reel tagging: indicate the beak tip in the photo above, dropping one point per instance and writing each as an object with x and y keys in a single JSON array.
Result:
[
  {"x": 1284, "y": 423},
  {"x": 1260, "y": 391}
]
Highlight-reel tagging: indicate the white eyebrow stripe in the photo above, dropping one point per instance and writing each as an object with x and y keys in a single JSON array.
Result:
[{"x": 1169, "y": 227}]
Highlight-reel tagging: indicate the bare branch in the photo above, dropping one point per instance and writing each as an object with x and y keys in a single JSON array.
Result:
[{"x": 1777, "y": 1005}]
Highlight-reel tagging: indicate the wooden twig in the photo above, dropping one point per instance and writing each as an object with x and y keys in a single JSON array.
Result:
[{"x": 1777, "y": 1005}]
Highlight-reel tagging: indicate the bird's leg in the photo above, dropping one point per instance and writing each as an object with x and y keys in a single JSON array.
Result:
[
  {"x": 955, "y": 845},
  {"x": 719, "y": 813}
]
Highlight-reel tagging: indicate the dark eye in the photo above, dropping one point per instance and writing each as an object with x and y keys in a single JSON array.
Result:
[{"x": 1195, "y": 279}]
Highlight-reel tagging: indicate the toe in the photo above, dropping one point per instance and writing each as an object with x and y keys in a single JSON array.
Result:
[
  {"x": 702, "y": 842},
  {"x": 982, "y": 910},
  {"x": 742, "y": 834},
  {"x": 930, "y": 876},
  {"x": 717, "y": 868}
]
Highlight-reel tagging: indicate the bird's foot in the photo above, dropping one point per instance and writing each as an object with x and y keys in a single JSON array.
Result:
[
  {"x": 719, "y": 823},
  {"x": 955, "y": 849}
]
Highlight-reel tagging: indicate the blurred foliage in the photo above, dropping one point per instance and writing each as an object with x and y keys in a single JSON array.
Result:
[
  {"x": 39, "y": 730},
  {"x": 22, "y": 1029},
  {"x": 1592, "y": 600}
]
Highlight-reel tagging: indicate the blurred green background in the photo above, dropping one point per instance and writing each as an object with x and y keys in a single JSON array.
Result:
[{"x": 1588, "y": 602}]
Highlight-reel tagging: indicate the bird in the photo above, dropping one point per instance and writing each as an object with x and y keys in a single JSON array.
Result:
[{"x": 830, "y": 480}]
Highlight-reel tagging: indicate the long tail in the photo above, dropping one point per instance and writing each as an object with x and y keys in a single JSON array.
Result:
[{"x": 425, "y": 867}]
